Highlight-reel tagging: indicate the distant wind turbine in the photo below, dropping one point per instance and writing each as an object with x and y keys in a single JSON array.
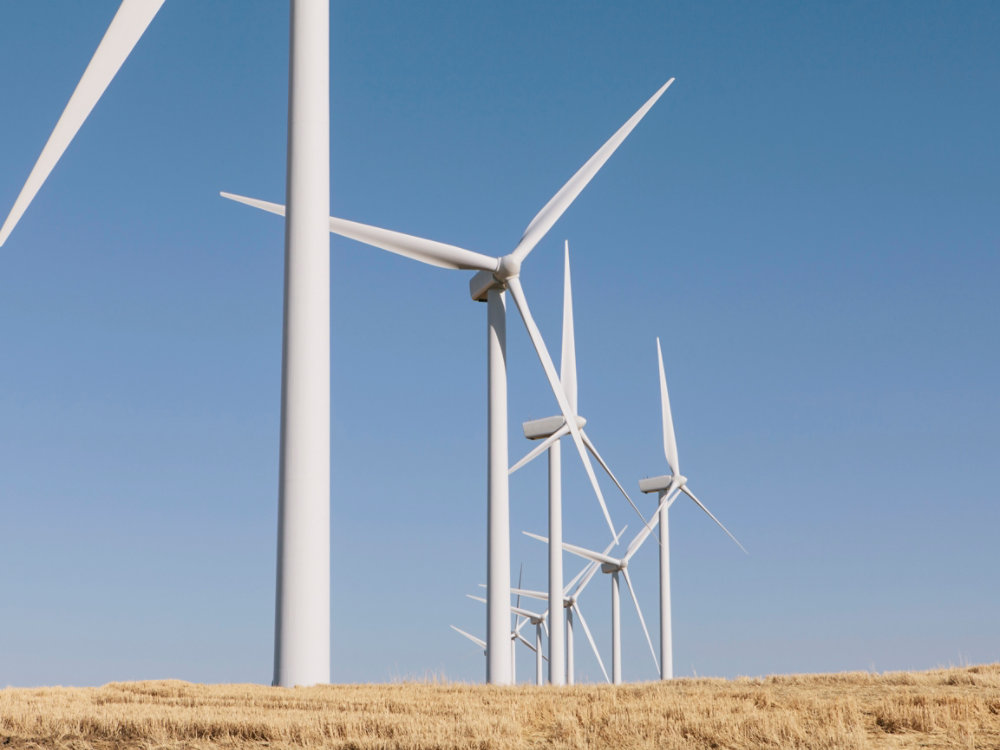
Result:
[
  {"x": 615, "y": 566},
  {"x": 571, "y": 603},
  {"x": 551, "y": 430},
  {"x": 668, "y": 487}
]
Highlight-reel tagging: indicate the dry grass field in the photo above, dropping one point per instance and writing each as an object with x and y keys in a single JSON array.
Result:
[{"x": 953, "y": 708}]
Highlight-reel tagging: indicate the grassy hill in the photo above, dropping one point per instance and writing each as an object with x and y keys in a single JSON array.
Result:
[{"x": 953, "y": 708}]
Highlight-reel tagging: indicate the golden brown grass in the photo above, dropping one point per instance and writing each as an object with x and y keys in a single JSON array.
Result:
[{"x": 954, "y": 708}]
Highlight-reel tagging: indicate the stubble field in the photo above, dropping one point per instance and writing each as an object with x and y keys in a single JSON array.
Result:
[{"x": 953, "y": 708}]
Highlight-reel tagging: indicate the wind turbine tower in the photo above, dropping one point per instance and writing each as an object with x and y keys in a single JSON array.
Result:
[{"x": 302, "y": 617}]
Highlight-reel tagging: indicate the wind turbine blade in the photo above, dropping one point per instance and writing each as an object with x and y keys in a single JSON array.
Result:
[
  {"x": 591, "y": 571},
  {"x": 125, "y": 30},
  {"x": 702, "y": 506},
  {"x": 476, "y": 598},
  {"x": 642, "y": 620},
  {"x": 525, "y": 612},
  {"x": 520, "y": 577},
  {"x": 525, "y": 641},
  {"x": 431, "y": 252},
  {"x": 540, "y": 448},
  {"x": 593, "y": 567},
  {"x": 552, "y": 210},
  {"x": 669, "y": 440},
  {"x": 607, "y": 470},
  {"x": 567, "y": 364},
  {"x": 478, "y": 641},
  {"x": 583, "y": 571},
  {"x": 524, "y": 621},
  {"x": 514, "y": 285},
  {"x": 634, "y": 545},
  {"x": 529, "y": 644},
  {"x": 586, "y": 630},
  {"x": 641, "y": 537},
  {"x": 590, "y": 554},
  {"x": 531, "y": 594}
]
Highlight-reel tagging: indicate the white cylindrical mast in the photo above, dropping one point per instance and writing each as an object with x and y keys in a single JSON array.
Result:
[
  {"x": 666, "y": 641},
  {"x": 557, "y": 645},
  {"x": 539, "y": 668},
  {"x": 498, "y": 661},
  {"x": 569, "y": 646},
  {"x": 302, "y": 617},
  {"x": 513, "y": 661},
  {"x": 616, "y": 631}
]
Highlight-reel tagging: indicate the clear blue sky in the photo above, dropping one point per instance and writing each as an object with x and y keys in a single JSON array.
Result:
[{"x": 808, "y": 219}]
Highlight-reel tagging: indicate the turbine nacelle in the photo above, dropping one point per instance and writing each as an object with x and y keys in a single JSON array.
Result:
[
  {"x": 662, "y": 483},
  {"x": 614, "y": 567},
  {"x": 539, "y": 429},
  {"x": 481, "y": 283}
]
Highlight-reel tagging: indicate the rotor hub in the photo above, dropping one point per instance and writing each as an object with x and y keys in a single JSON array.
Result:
[{"x": 508, "y": 268}]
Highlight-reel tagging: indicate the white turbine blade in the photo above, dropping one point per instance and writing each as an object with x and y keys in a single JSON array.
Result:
[
  {"x": 592, "y": 569},
  {"x": 529, "y": 644},
  {"x": 583, "y": 571},
  {"x": 567, "y": 364},
  {"x": 128, "y": 25},
  {"x": 634, "y": 545},
  {"x": 540, "y": 448},
  {"x": 578, "y": 551},
  {"x": 514, "y": 285},
  {"x": 607, "y": 470},
  {"x": 642, "y": 620},
  {"x": 525, "y": 641},
  {"x": 641, "y": 537},
  {"x": 669, "y": 441},
  {"x": 552, "y": 210},
  {"x": 615, "y": 541},
  {"x": 517, "y": 629},
  {"x": 525, "y": 612},
  {"x": 702, "y": 506},
  {"x": 478, "y": 641},
  {"x": 520, "y": 578},
  {"x": 586, "y": 630},
  {"x": 476, "y": 598},
  {"x": 431, "y": 252},
  {"x": 531, "y": 594},
  {"x": 588, "y": 554}
]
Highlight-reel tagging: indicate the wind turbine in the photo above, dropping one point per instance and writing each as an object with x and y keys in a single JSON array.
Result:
[
  {"x": 538, "y": 620},
  {"x": 551, "y": 430},
  {"x": 495, "y": 276},
  {"x": 571, "y": 603},
  {"x": 668, "y": 487},
  {"x": 515, "y": 635},
  {"x": 615, "y": 566},
  {"x": 302, "y": 606}
]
